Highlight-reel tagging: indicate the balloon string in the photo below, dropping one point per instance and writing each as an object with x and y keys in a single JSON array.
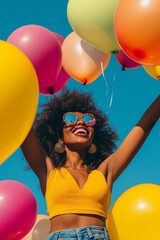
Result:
[
  {"x": 104, "y": 77},
  {"x": 114, "y": 78}
]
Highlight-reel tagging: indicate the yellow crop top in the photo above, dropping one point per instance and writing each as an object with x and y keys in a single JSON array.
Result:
[{"x": 63, "y": 195}]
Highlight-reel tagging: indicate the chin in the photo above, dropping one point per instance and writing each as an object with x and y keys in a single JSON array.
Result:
[{"x": 84, "y": 143}]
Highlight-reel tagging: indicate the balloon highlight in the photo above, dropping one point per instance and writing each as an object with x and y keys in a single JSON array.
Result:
[
  {"x": 18, "y": 210},
  {"x": 135, "y": 214}
]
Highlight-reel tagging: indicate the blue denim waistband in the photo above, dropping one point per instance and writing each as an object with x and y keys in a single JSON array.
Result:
[{"x": 90, "y": 230}]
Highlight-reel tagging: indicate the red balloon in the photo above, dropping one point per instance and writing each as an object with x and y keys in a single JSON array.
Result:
[
  {"x": 137, "y": 28},
  {"x": 18, "y": 210},
  {"x": 62, "y": 79},
  {"x": 125, "y": 61}
]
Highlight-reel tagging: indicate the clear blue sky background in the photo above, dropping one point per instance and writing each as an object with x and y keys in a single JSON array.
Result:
[{"x": 133, "y": 91}]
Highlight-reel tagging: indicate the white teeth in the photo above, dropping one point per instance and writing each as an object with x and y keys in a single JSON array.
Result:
[{"x": 80, "y": 130}]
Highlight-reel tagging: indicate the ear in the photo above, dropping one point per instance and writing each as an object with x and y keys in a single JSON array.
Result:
[{"x": 60, "y": 140}]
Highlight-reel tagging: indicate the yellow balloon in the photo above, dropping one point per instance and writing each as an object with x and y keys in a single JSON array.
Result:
[
  {"x": 153, "y": 71},
  {"x": 41, "y": 229},
  {"x": 19, "y": 94},
  {"x": 135, "y": 214}
]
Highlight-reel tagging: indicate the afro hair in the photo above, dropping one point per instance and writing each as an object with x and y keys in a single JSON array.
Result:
[{"x": 48, "y": 126}]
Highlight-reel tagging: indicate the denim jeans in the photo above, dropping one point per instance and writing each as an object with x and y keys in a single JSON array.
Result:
[{"x": 83, "y": 233}]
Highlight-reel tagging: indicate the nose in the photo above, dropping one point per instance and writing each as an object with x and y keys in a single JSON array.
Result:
[{"x": 80, "y": 121}]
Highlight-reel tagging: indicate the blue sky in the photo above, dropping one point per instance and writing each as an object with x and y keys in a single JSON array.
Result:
[{"x": 133, "y": 91}]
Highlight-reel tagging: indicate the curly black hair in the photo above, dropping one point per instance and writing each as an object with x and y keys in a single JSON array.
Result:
[{"x": 48, "y": 126}]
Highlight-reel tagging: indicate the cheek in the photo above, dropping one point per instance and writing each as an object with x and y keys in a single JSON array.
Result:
[{"x": 66, "y": 134}]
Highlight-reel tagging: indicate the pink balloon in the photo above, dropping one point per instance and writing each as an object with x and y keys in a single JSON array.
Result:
[
  {"x": 42, "y": 48},
  {"x": 125, "y": 61},
  {"x": 18, "y": 210},
  {"x": 61, "y": 80}
]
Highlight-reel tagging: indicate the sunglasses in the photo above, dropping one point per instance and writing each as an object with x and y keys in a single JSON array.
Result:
[{"x": 72, "y": 118}]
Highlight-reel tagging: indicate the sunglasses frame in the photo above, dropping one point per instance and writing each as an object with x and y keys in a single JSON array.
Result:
[{"x": 78, "y": 118}]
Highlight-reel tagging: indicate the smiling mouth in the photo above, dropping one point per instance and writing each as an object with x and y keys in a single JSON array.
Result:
[{"x": 80, "y": 132}]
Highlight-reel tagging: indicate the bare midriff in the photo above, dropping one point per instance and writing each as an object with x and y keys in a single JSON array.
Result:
[{"x": 68, "y": 221}]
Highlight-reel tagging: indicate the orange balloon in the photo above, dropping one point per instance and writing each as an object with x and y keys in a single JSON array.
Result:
[
  {"x": 137, "y": 28},
  {"x": 81, "y": 61}
]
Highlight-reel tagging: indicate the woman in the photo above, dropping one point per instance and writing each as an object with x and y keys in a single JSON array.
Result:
[{"x": 71, "y": 152}]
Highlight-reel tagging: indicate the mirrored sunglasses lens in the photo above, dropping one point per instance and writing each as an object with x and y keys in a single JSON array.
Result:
[
  {"x": 70, "y": 118},
  {"x": 88, "y": 119}
]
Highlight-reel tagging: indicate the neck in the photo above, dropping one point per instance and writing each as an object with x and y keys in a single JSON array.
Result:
[{"x": 75, "y": 159}]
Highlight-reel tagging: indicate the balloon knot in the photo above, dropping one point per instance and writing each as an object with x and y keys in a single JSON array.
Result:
[
  {"x": 51, "y": 91},
  {"x": 114, "y": 52},
  {"x": 123, "y": 68},
  {"x": 84, "y": 82}
]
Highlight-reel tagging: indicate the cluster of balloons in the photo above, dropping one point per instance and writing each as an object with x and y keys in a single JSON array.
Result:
[
  {"x": 135, "y": 214},
  {"x": 31, "y": 62},
  {"x": 34, "y": 59},
  {"x": 128, "y": 29},
  {"x": 45, "y": 49}
]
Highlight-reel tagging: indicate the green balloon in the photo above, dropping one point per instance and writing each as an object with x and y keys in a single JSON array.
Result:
[{"x": 92, "y": 20}]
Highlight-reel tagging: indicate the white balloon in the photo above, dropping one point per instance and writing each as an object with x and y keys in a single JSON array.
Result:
[{"x": 41, "y": 229}]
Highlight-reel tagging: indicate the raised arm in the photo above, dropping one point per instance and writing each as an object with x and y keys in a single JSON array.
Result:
[
  {"x": 33, "y": 153},
  {"x": 119, "y": 160},
  {"x": 36, "y": 157}
]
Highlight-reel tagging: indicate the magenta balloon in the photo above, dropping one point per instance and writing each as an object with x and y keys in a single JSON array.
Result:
[
  {"x": 62, "y": 78},
  {"x": 18, "y": 210},
  {"x": 125, "y": 61},
  {"x": 59, "y": 37},
  {"x": 42, "y": 48}
]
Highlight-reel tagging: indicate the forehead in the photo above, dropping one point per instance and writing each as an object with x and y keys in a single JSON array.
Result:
[{"x": 78, "y": 113}]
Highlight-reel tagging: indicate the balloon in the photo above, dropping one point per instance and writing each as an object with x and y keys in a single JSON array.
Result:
[
  {"x": 41, "y": 229},
  {"x": 82, "y": 61},
  {"x": 61, "y": 80},
  {"x": 18, "y": 98},
  {"x": 136, "y": 25},
  {"x": 18, "y": 210},
  {"x": 125, "y": 61},
  {"x": 93, "y": 22},
  {"x": 153, "y": 71},
  {"x": 42, "y": 48},
  {"x": 135, "y": 214}
]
